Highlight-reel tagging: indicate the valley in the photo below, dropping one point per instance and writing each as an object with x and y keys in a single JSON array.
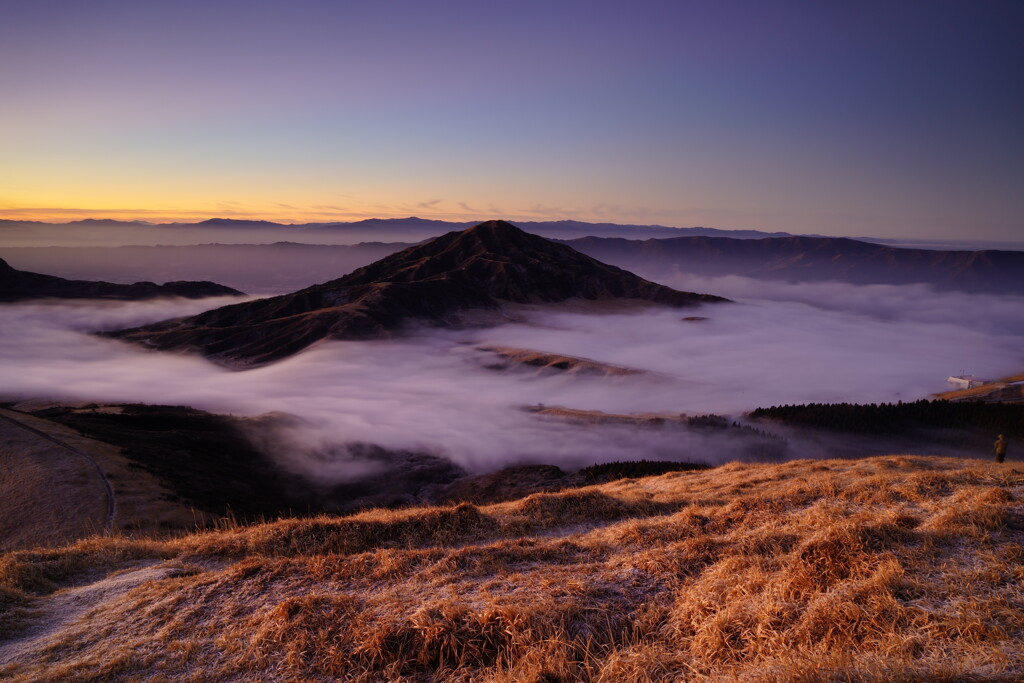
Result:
[{"x": 329, "y": 453}]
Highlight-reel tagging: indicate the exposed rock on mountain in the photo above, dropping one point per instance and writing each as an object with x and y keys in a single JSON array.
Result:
[
  {"x": 17, "y": 285},
  {"x": 482, "y": 267}
]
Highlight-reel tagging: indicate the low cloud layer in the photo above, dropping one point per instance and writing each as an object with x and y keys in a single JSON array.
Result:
[{"x": 431, "y": 391}]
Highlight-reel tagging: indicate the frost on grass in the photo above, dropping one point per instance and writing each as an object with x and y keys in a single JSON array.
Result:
[{"x": 890, "y": 568}]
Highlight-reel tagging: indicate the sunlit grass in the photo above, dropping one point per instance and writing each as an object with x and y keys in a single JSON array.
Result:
[{"x": 890, "y": 568}]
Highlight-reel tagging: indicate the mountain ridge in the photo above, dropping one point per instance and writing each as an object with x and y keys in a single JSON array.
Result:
[
  {"x": 19, "y": 285},
  {"x": 802, "y": 258}
]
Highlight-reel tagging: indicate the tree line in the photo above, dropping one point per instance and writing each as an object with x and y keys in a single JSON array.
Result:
[{"x": 900, "y": 417}]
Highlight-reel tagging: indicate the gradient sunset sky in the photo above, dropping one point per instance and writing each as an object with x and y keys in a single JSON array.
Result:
[{"x": 888, "y": 119}]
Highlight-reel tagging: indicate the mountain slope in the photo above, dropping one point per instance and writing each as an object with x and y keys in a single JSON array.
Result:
[
  {"x": 17, "y": 285},
  {"x": 806, "y": 259},
  {"x": 479, "y": 268}
]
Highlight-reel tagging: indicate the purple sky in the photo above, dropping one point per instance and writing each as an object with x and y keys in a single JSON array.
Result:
[{"x": 888, "y": 119}]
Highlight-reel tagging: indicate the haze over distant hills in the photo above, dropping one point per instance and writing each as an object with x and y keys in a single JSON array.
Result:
[
  {"x": 288, "y": 266},
  {"x": 114, "y": 232},
  {"x": 814, "y": 259},
  {"x": 478, "y": 268},
  {"x": 411, "y": 226}
]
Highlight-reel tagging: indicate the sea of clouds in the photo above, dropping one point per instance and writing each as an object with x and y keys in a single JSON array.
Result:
[{"x": 431, "y": 391}]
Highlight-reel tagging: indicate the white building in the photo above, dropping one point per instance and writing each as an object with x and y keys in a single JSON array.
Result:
[{"x": 965, "y": 381}]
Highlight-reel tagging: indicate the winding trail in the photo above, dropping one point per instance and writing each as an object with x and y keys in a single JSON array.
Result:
[{"x": 111, "y": 505}]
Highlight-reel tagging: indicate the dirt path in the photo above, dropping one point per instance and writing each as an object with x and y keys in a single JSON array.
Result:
[
  {"x": 52, "y": 617},
  {"x": 111, "y": 504},
  {"x": 51, "y": 492}
]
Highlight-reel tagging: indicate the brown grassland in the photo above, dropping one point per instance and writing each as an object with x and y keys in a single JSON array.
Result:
[
  {"x": 49, "y": 496},
  {"x": 882, "y": 569}
]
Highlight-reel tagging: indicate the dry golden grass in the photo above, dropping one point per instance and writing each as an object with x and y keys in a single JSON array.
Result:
[
  {"x": 48, "y": 496},
  {"x": 891, "y": 568}
]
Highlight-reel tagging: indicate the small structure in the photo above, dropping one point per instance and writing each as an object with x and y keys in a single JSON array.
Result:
[{"x": 966, "y": 381}]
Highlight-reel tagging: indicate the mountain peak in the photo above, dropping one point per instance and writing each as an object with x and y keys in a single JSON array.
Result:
[
  {"x": 494, "y": 227},
  {"x": 499, "y": 234},
  {"x": 482, "y": 267}
]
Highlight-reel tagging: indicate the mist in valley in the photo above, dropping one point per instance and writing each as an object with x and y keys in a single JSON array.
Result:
[{"x": 435, "y": 391}]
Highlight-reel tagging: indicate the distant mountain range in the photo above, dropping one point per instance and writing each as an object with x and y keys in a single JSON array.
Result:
[
  {"x": 288, "y": 266},
  {"x": 18, "y": 285},
  {"x": 479, "y": 268},
  {"x": 814, "y": 259},
  {"x": 411, "y": 228},
  {"x": 112, "y": 232},
  {"x": 302, "y": 255},
  {"x": 565, "y": 229}
]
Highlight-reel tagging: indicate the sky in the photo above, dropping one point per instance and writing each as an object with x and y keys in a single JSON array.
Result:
[{"x": 886, "y": 119}]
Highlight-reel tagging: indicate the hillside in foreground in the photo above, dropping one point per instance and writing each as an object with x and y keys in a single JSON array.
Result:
[{"x": 888, "y": 568}]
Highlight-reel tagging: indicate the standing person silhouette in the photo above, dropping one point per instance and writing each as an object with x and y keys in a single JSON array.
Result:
[{"x": 1000, "y": 446}]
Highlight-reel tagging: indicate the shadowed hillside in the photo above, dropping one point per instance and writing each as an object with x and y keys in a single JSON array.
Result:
[
  {"x": 224, "y": 465},
  {"x": 889, "y": 568},
  {"x": 16, "y": 285},
  {"x": 252, "y": 268}
]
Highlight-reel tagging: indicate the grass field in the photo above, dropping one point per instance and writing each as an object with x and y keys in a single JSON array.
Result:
[
  {"x": 49, "y": 495},
  {"x": 888, "y": 568}
]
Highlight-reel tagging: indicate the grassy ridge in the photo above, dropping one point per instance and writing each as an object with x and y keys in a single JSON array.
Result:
[{"x": 890, "y": 568}]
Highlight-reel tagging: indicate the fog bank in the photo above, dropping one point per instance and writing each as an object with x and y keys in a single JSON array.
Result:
[{"x": 430, "y": 391}]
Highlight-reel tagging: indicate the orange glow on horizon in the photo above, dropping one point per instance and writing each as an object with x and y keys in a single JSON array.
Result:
[{"x": 298, "y": 216}]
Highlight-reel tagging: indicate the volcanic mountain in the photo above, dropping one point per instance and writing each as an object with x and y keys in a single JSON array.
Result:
[
  {"x": 482, "y": 267},
  {"x": 17, "y": 285}
]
